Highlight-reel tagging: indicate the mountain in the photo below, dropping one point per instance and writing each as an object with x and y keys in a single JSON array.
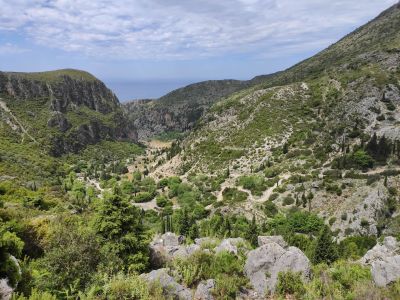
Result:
[
  {"x": 62, "y": 110},
  {"x": 324, "y": 128},
  {"x": 179, "y": 110}
]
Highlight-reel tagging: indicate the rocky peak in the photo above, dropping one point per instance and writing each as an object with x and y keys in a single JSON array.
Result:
[{"x": 65, "y": 88}]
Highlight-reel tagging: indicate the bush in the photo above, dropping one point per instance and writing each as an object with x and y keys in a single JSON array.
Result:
[
  {"x": 233, "y": 195},
  {"x": 290, "y": 283},
  {"x": 255, "y": 184},
  {"x": 161, "y": 201},
  {"x": 273, "y": 197},
  {"x": 143, "y": 197},
  {"x": 288, "y": 201},
  {"x": 270, "y": 209}
]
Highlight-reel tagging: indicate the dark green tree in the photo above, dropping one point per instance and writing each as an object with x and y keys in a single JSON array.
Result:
[
  {"x": 120, "y": 225},
  {"x": 252, "y": 232},
  {"x": 326, "y": 249}
]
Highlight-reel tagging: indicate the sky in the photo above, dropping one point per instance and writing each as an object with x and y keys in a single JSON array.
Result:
[{"x": 145, "y": 48}]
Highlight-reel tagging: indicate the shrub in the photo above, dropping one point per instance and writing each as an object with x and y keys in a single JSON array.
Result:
[
  {"x": 288, "y": 201},
  {"x": 233, "y": 195},
  {"x": 161, "y": 201},
  {"x": 290, "y": 283},
  {"x": 143, "y": 197},
  {"x": 255, "y": 184},
  {"x": 270, "y": 209},
  {"x": 273, "y": 197}
]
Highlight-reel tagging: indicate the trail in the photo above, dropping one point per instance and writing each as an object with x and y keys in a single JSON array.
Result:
[{"x": 16, "y": 124}]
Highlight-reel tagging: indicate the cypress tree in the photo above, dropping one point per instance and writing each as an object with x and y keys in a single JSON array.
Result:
[
  {"x": 326, "y": 249},
  {"x": 252, "y": 233}
]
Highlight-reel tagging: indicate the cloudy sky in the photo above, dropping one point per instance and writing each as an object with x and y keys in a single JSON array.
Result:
[{"x": 142, "y": 48}]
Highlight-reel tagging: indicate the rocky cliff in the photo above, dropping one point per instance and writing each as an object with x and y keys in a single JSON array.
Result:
[
  {"x": 179, "y": 110},
  {"x": 65, "y": 109}
]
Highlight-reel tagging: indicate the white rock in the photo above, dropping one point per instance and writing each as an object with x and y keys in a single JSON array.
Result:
[
  {"x": 204, "y": 289},
  {"x": 264, "y": 263},
  {"x": 169, "y": 285},
  {"x": 5, "y": 290},
  {"x": 263, "y": 240},
  {"x": 229, "y": 245},
  {"x": 384, "y": 260}
]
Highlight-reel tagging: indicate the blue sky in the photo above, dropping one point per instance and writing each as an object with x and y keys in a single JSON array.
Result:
[{"x": 144, "y": 48}]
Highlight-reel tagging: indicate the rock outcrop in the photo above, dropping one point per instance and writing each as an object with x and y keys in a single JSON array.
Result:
[
  {"x": 204, "y": 290},
  {"x": 169, "y": 246},
  {"x": 264, "y": 240},
  {"x": 179, "y": 110},
  {"x": 170, "y": 287},
  {"x": 77, "y": 108},
  {"x": 229, "y": 245},
  {"x": 384, "y": 260},
  {"x": 5, "y": 290},
  {"x": 65, "y": 88},
  {"x": 264, "y": 264}
]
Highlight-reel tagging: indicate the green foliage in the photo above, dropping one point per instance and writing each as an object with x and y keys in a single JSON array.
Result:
[
  {"x": 290, "y": 283},
  {"x": 10, "y": 245},
  {"x": 270, "y": 209},
  {"x": 120, "y": 226},
  {"x": 233, "y": 195},
  {"x": 71, "y": 256},
  {"x": 356, "y": 246},
  {"x": 255, "y": 184},
  {"x": 226, "y": 268},
  {"x": 325, "y": 248}
]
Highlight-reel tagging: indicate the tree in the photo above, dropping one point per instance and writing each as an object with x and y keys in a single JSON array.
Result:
[
  {"x": 10, "y": 247},
  {"x": 252, "y": 232},
  {"x": 72, "y": 255},
  {"x": 372, "y": 146},
  {"x": 120, "y": 225},
  {"x": 326, "y": 249}
]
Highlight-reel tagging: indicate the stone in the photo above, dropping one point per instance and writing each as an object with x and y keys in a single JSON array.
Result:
[
  {"x": 204, "y": 290},
  {"x": 263, "y": 240},
  {"x": 264, "y": 264},
  {"x": 229, "y": 245},
  {"x": 170, "y": 287},
  {"x": 5, "y": 290},
  {"x": 384, "y": 260}
]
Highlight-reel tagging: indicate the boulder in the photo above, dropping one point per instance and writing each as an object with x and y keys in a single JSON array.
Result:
[
  {"x": 229, "y": 245},
  {"x": 384, "y": 260},
  {"x": 263, "y": 240},
  {"x": 204, "y": 290},
  {"x": 264, "y": 264},
  {"x": 5, "y": 290},
  {"x": 163, "y": 247},
  {"x": 170, "y": 287}
]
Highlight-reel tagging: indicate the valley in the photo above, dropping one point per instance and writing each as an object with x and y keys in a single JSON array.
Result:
[{"x": 286, "y": 186}]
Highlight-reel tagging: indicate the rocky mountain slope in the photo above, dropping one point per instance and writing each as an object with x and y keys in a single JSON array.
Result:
[
  {"x": 305, "y": 136},
  {"x": 179, "y": 110},
  {"x": 62, "y": 110}
]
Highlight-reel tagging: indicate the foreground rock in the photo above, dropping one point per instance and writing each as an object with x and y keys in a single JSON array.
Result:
[
  {"x": 230, "y": 245},
  {"x": 170, "y": 287},
  {"x": 204, "y": 290},
  {"x": 5, "y": 290},
  {"x": 264, "y": 240},
  {"x": 264, "y": 264},
  {"x": 384, "y": 260},
  {"x": 169, "y": 246}
]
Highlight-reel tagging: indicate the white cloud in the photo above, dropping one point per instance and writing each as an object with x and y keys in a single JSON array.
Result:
[
  {"x": 9, "y": 48},
  {"x": 164, "y": 29}
]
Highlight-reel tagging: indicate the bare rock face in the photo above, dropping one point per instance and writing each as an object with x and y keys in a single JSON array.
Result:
[
  {"x": 170, "y": 287},
  {"x": 384, "y": 260},
  {"x": 204, "y": 290},
  {"x": 264, "y": 263},
  {"x": 5, "y": 290},
  {"x": 168, "y": 247},
  {"x": 264, "y": 240},
  {"x": 229, "y": 245}
]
